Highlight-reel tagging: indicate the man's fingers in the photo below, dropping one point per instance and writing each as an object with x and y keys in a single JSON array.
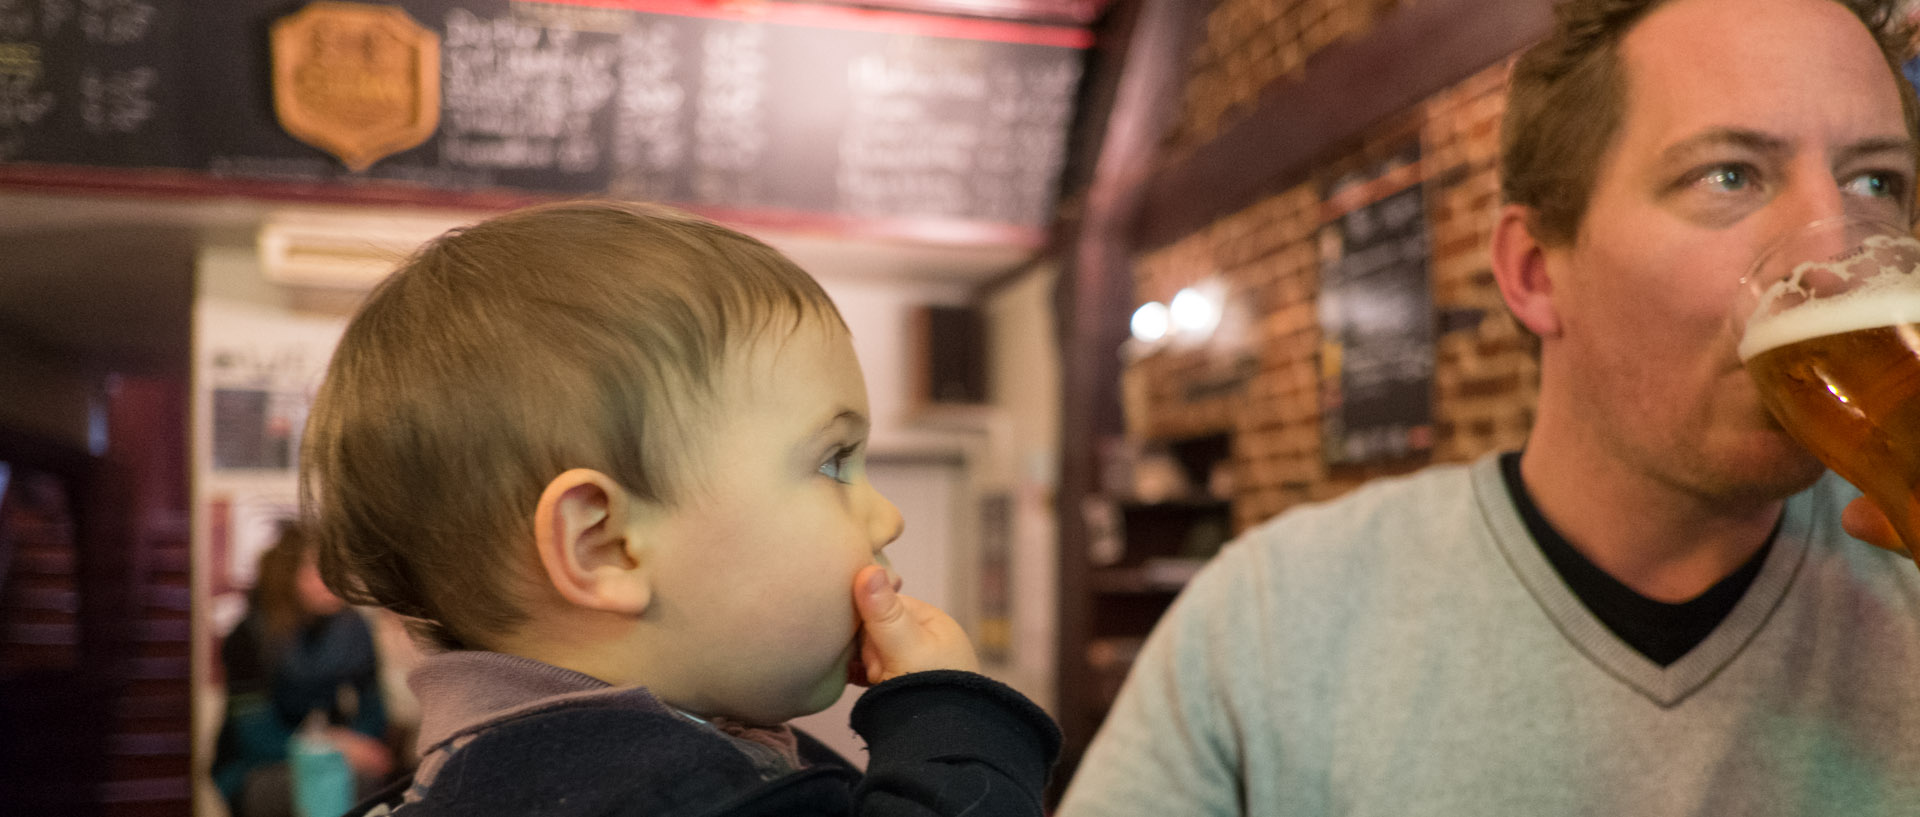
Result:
[{"x": 1863, "y": 520}]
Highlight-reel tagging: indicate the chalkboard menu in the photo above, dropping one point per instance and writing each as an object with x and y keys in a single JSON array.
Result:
[
  {"x": 1376, "y": 319},
  {"x": 855, "y": 114},
  {"x": 95, "y": 82}
]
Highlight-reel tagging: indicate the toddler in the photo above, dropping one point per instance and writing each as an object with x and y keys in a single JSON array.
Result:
[{"x": 608, "y": 459}]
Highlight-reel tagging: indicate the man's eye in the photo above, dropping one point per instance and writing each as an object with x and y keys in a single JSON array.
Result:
[
  {"x": 1876, "y": 185},
  {"x": 1729, "y": 178}
]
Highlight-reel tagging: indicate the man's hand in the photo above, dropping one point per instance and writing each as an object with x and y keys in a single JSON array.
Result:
[
  {"x": 1863, "y": 520},
  {"x": 901, "y": 634}
]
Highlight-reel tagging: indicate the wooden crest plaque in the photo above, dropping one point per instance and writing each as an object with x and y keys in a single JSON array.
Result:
[{"x": 359, "y": 81}]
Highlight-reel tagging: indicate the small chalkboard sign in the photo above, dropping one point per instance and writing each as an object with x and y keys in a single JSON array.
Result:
[{"x": 1376, "y": 319}]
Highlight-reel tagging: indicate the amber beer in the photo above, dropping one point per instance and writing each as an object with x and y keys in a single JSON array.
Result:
[{"x": 1843, "y": 377}]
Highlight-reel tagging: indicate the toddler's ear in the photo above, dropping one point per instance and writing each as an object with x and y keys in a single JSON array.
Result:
[{"x": 581, "y": 529}]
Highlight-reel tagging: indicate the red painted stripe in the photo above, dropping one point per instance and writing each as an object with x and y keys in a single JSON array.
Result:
[
  {"x": 181, "y": 184},
  {"x": 852, "y": 19},
  {"x": 927, "y": 230},
  {"x": 184, "y": 184}
]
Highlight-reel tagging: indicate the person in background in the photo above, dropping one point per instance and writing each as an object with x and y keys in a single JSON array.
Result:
[
  {"x": 1653, "y": 608},
  {"x": 609, "y": 461},
  {"x": 299, "y": 654}
]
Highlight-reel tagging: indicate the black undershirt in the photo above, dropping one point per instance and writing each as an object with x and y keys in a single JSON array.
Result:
[{"x": 1658, "y": 630}]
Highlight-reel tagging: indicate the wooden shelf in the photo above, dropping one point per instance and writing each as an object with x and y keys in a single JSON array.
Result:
[
  {"x": 1187, "y": 503},
  {"x": 1159, "y": 575}
]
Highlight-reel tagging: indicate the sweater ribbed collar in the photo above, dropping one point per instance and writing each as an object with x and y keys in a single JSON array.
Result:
[{"x": 1669, "y": 685}]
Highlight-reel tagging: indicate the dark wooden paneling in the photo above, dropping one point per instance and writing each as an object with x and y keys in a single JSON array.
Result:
[{"x": 1138, "y": 67}]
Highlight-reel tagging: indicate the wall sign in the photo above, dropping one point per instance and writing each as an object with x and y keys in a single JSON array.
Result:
[
  {"x": 358, "y": 81},
  {"x": 1376, "y": 317}
]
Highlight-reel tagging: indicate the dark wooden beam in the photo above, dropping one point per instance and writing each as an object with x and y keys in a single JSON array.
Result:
[
  {"x": 1413, "y": 53},
  {"x": 1135, "y": 74}
]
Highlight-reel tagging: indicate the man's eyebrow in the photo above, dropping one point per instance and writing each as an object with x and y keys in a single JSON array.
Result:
[
  {"x": 1901, "y": 145},
  {"x": 1722, "y": 137},
  {"x": 1759, "y": 142}
]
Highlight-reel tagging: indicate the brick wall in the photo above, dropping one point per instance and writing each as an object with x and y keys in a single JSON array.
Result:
[
  {"x": 1486, "y": 373},
  {"x": 1250, "y": 44}
]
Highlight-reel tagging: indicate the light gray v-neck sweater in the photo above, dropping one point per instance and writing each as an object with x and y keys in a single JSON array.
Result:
[{"x": 1407, "y": 651}]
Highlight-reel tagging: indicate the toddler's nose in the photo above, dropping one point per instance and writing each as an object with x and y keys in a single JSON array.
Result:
[{"x": 886, "y": 523}]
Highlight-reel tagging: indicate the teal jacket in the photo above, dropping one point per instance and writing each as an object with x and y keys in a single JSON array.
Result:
[{"x": 329, "y": 668}]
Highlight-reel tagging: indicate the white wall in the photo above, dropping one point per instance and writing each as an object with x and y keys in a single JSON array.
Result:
[
  {"x": 1011, "y": 448},
  {"x": 879, "y": 314},
  {"x": 1025, "y": 382},
  {"x": 246, "y": 334}
]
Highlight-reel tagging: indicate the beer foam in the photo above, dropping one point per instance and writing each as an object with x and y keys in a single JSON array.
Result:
[
  {"x": 1891, "y": 301},
  {"x": 1887, "y": 294}
]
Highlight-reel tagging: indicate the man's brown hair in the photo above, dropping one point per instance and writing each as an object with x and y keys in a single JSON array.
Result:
[
  {"x": 1567, "y": 96},
  {"x": 576, "y": 335}
]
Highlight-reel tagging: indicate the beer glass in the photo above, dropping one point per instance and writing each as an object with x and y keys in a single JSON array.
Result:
[{"x": 1829, "y": 326}]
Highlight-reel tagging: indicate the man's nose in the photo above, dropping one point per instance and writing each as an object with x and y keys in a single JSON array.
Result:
[
  {"x": 1817, "y": 197},
  {"x": 1813, "y": 197}
]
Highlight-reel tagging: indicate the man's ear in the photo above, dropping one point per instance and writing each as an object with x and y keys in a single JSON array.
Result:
[
  {"x": 582, "y": 531},
  {"x": 1520, "y": 267}
]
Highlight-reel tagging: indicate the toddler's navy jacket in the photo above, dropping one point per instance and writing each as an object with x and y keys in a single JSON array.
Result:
[{"x": 939, "y": 743}]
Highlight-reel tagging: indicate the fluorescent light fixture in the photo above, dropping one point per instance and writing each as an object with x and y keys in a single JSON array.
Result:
[{"x": 345, "y": 250}]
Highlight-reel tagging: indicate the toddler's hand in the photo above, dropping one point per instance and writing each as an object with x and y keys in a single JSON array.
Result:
[
  {"x": 902, "y": 634},
  {"x": 1863, "y": 520}
]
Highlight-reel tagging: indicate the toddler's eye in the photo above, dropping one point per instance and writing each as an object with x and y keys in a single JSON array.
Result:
[{"x": 840, "y": 465}]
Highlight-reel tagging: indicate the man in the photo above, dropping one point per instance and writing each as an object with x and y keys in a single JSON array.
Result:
[{"x": 1653, "y": 610}]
